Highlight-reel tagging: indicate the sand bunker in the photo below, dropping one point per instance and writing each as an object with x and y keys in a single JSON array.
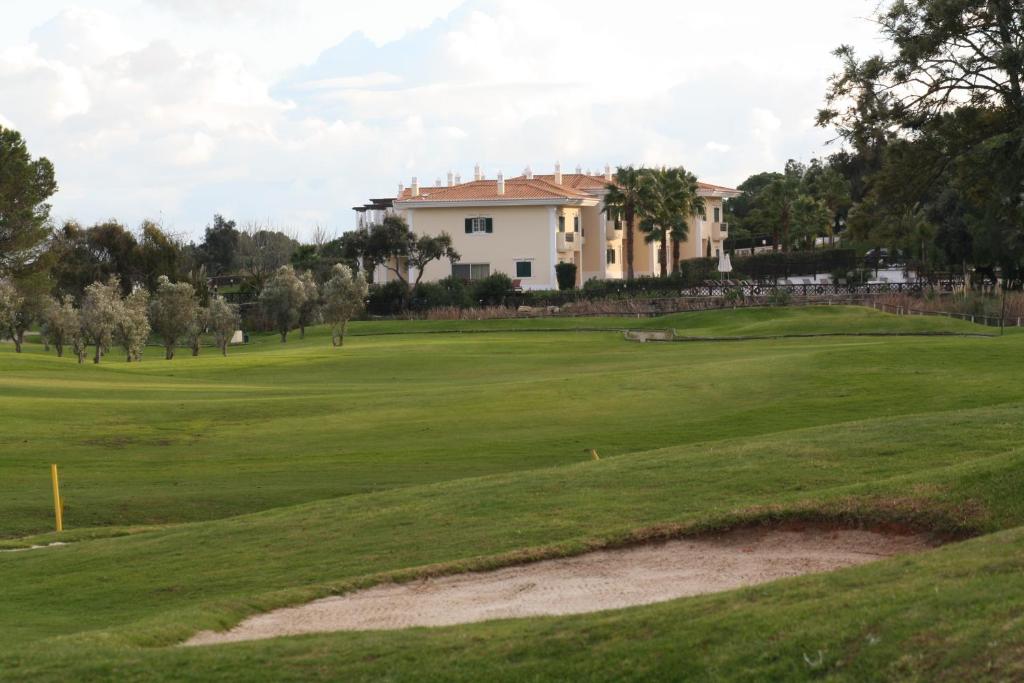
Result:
[{"x": 587, "y": 583}]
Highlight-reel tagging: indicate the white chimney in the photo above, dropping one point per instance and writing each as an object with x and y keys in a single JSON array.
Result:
[
  {"x": 579, "y": 170},
  {"x": 415, "y": 189},
  {"x": 501, "y": 183},
  {"x": 458, "y": 178},
  {"x": 528, "y": 173},
  {"x": 401, "y": 189},
  {"x": 437, "y": 182},
  {"x": 558, "y": 173},
  {"x": 451, "y": 178},
  {"x": 477, "y": 175},
  {"x": 608, "y": 172}
]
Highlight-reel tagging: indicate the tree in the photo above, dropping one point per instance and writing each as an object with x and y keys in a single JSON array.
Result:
[
  {"x": 776, "y": 205},
  {"x": 101, "y": 310},
  {"x": 344, "y": 298},
  {"x": 669, "y": 199},
  {"x": 219, "y": 250},
  {"x": 10, "y": 302},
  {"x": 25, "y": 185},
  {"x": 157, "y": 254},
  {"x": 739, "y": 209},
  {"x": 197, "y": 328},
  {"x": 282, "y": 299},
  {"x": 172, "y": 312},
  {"x": 309, "y": 311},
  {"x": 132, "y": 328},
  {"x": 261, "y": 252},
  {"x": 624, "y": 197},
  {"x": 61, "y": 322},
  {"x": 23, "y": 301},
  {"x": 223, "y": 321},
  {"x": 825, "y": 183},
  {"x": 390, "y": 243}
]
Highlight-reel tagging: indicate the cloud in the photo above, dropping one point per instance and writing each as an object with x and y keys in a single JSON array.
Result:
[{"x": 296, "y": 112}]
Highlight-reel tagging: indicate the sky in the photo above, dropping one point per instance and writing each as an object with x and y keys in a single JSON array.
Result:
[{"x": 290, "y": 113}]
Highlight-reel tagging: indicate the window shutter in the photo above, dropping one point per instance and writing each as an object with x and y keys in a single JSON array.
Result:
[
  {"x": 490, "y": 225},
  {"x": 469, "y": 225}
]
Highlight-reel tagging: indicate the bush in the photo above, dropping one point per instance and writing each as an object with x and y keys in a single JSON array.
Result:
[
  {"x": 774, "y": 265},
  {"x": 446, "y": 293},
  {"x": 387, "y": 299},
  {"x": 565, "y": 273},
  {"x": 780, "y": 297},
  {"x": 492, "y": 290}
]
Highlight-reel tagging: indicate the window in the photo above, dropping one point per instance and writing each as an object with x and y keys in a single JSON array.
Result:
[
  {"x": 524, "y": 269},
  {"x": 479, "y": 225},
  {"x": 718, "y": 215},
  {"x": 561, "y": 223},
  {"x": 610, "y": 256},
  {"x": 618, "y": 224},
  {"x": 470, "y": 271},
  {"x": 575, "y": 223}
]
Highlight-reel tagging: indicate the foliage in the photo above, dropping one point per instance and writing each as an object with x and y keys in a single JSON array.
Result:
[
  {"x": 25, "y": 185},
  {"x": 309, "y": 311},
  {"x": 172, "y": 312},
  {"x": 668, "y": 200},
  {"x": 223, "y": 321},
  {"x": 622, "y": 203},
  {"x": 282, "y": 300},
  {"x": 100, "y": 312},
  {"x": 447, "y": 292},
  {"x": 344, "y": 298},
  {"x": 492, "y": 290},
  {"x": 132, "y": 328},
  {"x": 565, "y": 274},
  {"x": 780, "y": 297},
  {"x": 197, "y": 328},
  {"x": 402, "y": 252},
  {"x": 261, "y": 252},
  {"x": 219, "y": 249},
  {"x": 388, "y": 298}
]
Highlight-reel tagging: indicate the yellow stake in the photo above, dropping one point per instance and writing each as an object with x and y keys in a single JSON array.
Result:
[
  {"x": 57, "y": 503},
  {"x": 594, "y": 455}
]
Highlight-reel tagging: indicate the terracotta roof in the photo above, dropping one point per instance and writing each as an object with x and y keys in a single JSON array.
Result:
[
  {"x": 716, "y": 188},
  {"x": 578, "y": 181},
  {"x": 487, "y": 190}
]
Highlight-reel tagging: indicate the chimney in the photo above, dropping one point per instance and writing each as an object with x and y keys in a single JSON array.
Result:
[
  {"x": 437, "y": 182},
  {"x": 458, "y": 178},
  {"x": 477, "y": 175},
  {"x": 579, "y": 170},
  {"x": 401, "y": 189},
  {"x": 558, "y": 173},
  {"x": 415, "y": 189},
  {"x": 501, "y": 183},
  {"x": 608, "y": 173},
  {"x": 451, "y": 178},
  {"x": 528, "y": 173}
]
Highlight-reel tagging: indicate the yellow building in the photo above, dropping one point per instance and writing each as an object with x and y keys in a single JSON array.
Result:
[{"x": 523, "y": 226}]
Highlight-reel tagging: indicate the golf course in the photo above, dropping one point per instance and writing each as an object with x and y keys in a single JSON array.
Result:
[{"x": 206, "y": 490}]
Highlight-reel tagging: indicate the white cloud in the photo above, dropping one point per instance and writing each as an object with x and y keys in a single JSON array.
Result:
[{"x": 294, "y": 112}]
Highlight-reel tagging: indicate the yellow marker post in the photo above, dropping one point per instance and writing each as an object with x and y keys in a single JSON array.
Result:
[
  {"x": 58, "y": 506},
  {"x": 594, "y": 455}
]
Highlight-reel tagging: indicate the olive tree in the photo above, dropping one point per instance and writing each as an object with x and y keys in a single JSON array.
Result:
[
  {"x": 282, "y": 299},
  {"x": 223, "y": 321},
  {"x": 61, "y": 322},
  {"x": 172, "y": 312},
  {"x": 344, "y": 298},
  {"x": 197, "y": 328},
  {"x": 132, "y": 328},
  {"x": 309, "y": 311},
  {"x": 10, "y": 302},
  {"x": 102, "y": 308}
]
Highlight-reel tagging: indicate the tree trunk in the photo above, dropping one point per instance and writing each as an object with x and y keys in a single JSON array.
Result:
[
  {"x": 81, "y": 356},
  {"x": 341, "y": 337},
  {"x": 664, "y": 256},
  {"x": 302, "y": 331},
  {"x": 629, "y": 242},
  {"x": 18, "y": 339},
  {"x": 60, "y": 350},
  {"x": 169, "y": 352},
  {"x": 675, "y": 255},
  {"x": 284, "y": 336},
  {"x": 224, "y": 348},
  {"x": 96, "y": 358},
  {"x": 195, "y": 349}
]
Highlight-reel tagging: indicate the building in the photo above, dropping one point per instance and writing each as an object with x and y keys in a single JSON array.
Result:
[{"x": 523, "y": 226}]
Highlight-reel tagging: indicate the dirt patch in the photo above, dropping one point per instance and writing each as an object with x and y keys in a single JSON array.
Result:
[{"x": 596, "y": 581}]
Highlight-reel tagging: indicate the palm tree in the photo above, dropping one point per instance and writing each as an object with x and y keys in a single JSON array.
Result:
[
  {"x": 669, "y": 199},
  {"x": 625, "y": 195}
]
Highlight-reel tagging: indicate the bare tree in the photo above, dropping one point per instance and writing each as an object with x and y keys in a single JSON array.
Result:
[
  {"x": 172, "y": 312},
  {"x": 224, "y": 320},
  {"x": 344, "y": 298}
]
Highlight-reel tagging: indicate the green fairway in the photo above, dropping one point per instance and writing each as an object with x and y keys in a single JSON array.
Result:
[{"x": 205, "y": 489}]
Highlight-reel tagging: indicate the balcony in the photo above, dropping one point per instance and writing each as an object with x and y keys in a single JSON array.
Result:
[
  {"x": 569, "y": 241},
  {"x": 613, "y": 234},
  {"x": 719, "y": 231}
]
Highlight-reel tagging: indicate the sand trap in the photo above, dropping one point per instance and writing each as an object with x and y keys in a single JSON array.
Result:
[
  {"x": 587, "y": 583},
  {"x": 55, "y": 544}
]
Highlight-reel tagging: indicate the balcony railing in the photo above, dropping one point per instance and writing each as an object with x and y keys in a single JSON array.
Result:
[{"x": 613, "y": 234}]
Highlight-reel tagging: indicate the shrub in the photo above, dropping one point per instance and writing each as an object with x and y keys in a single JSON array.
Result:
[
  {"x": 565, "y": 273},
  {"x": 449, "y": 292},
  {"x": 780, "y": 297},
  {"x": 387, "y": 299},
  {"x": 492, "y": 290}
]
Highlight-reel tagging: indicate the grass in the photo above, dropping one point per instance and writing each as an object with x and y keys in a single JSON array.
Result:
[{"x": 207, "y": 489}]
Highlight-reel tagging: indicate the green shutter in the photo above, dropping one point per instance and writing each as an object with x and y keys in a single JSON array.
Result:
[
  {"x": 490, "y": 225},
  {"x": 469, "y": 225}
]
